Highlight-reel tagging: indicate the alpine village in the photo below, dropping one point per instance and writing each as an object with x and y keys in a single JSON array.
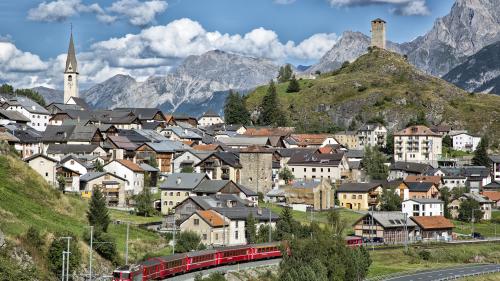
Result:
[{"x": 369, "y": 165}]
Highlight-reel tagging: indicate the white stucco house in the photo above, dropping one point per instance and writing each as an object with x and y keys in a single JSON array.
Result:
[{"x": 129, "y": 171}]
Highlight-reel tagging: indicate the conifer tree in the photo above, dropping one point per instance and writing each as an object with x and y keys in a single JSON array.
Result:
[
  {"x": 293, "y": 86},
  {"x": 271, "y": 114},
  {"x": 285, "y": 73},
  {"x": 235, "y": 111},
  {"x": 250, "y": 229},
  {"x": 97, "y": 213},
  {"x": 481, "y": 153}
]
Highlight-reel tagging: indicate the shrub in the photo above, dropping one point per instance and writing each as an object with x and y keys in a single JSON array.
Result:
[
  {"x": 34, "y": 238},
  {"x": 425, "y": 255}
]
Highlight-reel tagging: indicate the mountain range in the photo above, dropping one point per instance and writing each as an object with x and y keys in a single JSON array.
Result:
[{"x": 202, "y": 82}]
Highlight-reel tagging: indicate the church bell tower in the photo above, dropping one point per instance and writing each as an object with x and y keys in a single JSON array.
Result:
[{"x": 71, "y": 73}]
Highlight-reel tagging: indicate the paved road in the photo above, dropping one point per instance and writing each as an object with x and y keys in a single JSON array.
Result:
[
  {"x": 433, "y": 275},
  {"x": 190, "y": 276}
]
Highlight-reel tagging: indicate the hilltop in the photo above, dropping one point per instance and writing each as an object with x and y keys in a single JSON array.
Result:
[
  {"x": 27, "y": 200},
  {"x": 382, "y": 86}
]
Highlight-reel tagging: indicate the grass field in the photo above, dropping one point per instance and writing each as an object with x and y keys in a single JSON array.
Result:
[
  {"x": 488, "y": 277},
  {"x": 124, "y": 216},
  {"x": 396, "y": 260}
]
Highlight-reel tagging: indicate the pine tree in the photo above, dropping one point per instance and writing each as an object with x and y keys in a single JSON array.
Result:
[
  {"x": 235, "y": 111},
  {"x": 97, "y": 213},
  {"x": 250, "y": 229},
  {"x": 144, "y": 203},
  {"x": 481, "y": 153},
  {"x": 285, "y": 73},
  {"x": 271, "y": 114},
  {"x": 293, "y": 85},
  {"x": 374, "y": 164}
]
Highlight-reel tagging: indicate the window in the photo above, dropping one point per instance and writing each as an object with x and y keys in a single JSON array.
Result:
[
  {"x": 196, "y": 222},
  {"x": 328, "y": 170},
  {"x": 353, "y": 196},
  {"x": 46, "y": 174},
  {"x": 204, "y": 236},
  {"x": 360, "y": 196},
  {"x": 178, "y": 194},
  {"x": 236, "y": 235},
  {"x": 345, "y": 196},
  {"x": 171, "y": 193},
  {"x": 305, "y": 169},
  {"x": 293, "y": 169},
  {"x": 322, "y": 170},
  {"x": 216, "y": 236},
  {"x": 314, "y": 170},
  {"x": 171, "y": 203}
]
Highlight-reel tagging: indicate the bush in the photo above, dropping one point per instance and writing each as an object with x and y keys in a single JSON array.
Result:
[
  {"x": 425, "y": 255},
  {"x": 54, "y": 255},
  {"x": 34, "y": 238}
]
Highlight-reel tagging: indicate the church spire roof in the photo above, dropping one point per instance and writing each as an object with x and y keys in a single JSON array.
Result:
[{"x": 71, "y": 65}]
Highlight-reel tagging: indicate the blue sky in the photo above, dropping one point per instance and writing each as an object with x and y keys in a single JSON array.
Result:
[{"x": 149, "y": 34}]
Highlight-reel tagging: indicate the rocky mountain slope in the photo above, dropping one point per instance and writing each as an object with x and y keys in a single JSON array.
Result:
[
  {"x": 198, "y": 83},
  {"x": 470, "y": 26},
  {"x": 50, "y": 95},
  {"x": 382, "y": 86},
  {"x": 480, "y": 72}
]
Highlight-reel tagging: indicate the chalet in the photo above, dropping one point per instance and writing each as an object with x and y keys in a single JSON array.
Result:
[
  {"x": 11, "y": 116},
  {"x": 221, "y": 166},
  {"x": 188, "y": 159},
  {"x": 45, "y": 166},
  {"x": 435, "y": 227},
  {"x": 71, "y": 178},
  {"x": 111, "y": 185},
  {"x": 164, "y": 153},
  {"x": 58, "y": 151},
  {"x": 177, "y": 188},
  {"x": 359, "y": 196},
  {"x": 417, "y": 190},
  {"x": 389, "y": 227},
  {"x": 130, "y": 171}
]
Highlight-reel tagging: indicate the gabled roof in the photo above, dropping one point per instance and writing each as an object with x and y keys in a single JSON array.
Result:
[
  {"x": 81, "y": 103},
  {"x": 477, "y": 197},
  {"x": 426, "y": 200},
  {"x": 71, "y": 148},
  {"x": 358, "y": 187},
  {"x": 152, "y": 135},
  {"x": 434, "y": 179},
  {"x": 148, "y": 168},
  {"x": 315, "y": 159},
  {"x": 211, "y": 186},
  {"x": 28, "y": 104},
  {"x": 94, "y": 175},
  {"x": 183, "y": 181},
  {"x": 419, "y": 186},
  {"x": 24, "y": 133},
  {"x": 206, "y": 147},
  {"x": 411, "y": 167},
  {"x": 308, "y": 139},
  {"x": 244, "y": 141},
  {"x": 55, "y": 133},
  {"x": 267, "y": 131},
  {"x": 241, "y": 213},
  {"x": 369, "y": 127},
  {"x": 122, "y": 142},
  {"x": 432, "y": 222},
  {"x": 40, "y": 155},
  {"x": 184, "y": 133},
  {"x": 492, "y": 185},
  {"x": 143, "y": 113},
  {"x": 13, "y": 115},
  {"x": 128, "y": 164},
  {"x": 495, "y": 158},
  {"x": 211, "y": 217},
  {"x": 227, "y": 157},
  {"x": 8, "y": 137},
  {"x": 167, "y": 146},
  {"x": 417, "y": 130},
  {"x": 492, "y": 195},
  {"x": 389, "y": 219},
  {"x": 210, "y": 113}
]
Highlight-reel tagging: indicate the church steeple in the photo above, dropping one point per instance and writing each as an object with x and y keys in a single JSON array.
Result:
[
  {"x": 71, "y": 72},
  {"x": 71, "y": 64}
]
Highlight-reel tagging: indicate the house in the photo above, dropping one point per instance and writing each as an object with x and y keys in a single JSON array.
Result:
[
  {"x": 188, "y": 160},
  {"x": 29, "y": 139},
  {"x": 348, "y": 139},
  {"x": 389, "y": 227},
  {"x": 192, "y": 203},
  {"x": 401, "y": 170},
  {"x": 221, "y": 166},
  {"x": 244, "y": 141},
  {"x": 417, "y": 190},
  {"x": 72, "y": 134},
  {"x": 423, "y": 207},
  {"x": 145, "y": 115},
  {"x": 58, "y": 151},
  {"x": 209, "y": 225},
  {"x": 45, "y": 166},
  {"x": 178, "y": 187},
  {"x": 257, "y": 168},
  {"x": 436, "y": 228},
  {"x": 309, "y": 140},
  {"x": 359, "y": 196},
  {"x": 121, "y": 147},
  {"x": 477, "y": 177},
  {"x": 182, "y": 134},
  {"x": 417, "y": 144},
  {"x": 318, "y": 194},
  {"x": 465, "y": 142},
  {"x": 150, "y": 175},
  {"x": 484, "y": 203},
  {"x": 124, "y": 120},
  {"x": 11, "y": 116},
  {"x": 71, "y": 178},
  {"x": 38, "y": 116},
  {"x": 371, "y": 134},
  {"x": 210, "y": 118},
  {"x": 181, "y": 118},
  {"x": 493, "y": 196},
  {"x": 164, "y": 153},
  {"x": 74, "y": 164},
  {"x": 130, "y": 171},
  {"x": 209, "y": 187},
  {"x": 111, "y": 185},
  {"x": 495, "y": 160},
  {"x": 452, "y": 177},
  {"x": 442, "y": 130},
  {"x": 309, "y": 165},
  {"x": 436, "y": 180}
]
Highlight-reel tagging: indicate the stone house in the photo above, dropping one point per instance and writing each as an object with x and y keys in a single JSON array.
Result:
[
  {"x": 177, "y": 188},
  {"x": 319, "y": 194},
  {"x": 257, "y": 168}
]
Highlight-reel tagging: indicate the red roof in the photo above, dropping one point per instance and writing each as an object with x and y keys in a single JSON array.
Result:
[
  {"x": 433, "y": 222},
  {"x": 130, "y": 165},
  {"x": 492, "y": 195}
]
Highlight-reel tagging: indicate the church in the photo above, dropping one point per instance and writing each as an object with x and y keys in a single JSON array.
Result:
[{"x": 71, "y": 75}]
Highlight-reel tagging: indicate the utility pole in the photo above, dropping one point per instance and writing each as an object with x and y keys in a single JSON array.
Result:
[
  {"x": 223, "y": 227},
  {"x": 406, "y": 231},
  {"x": 126, "y": 244},
  {"x": 67, "y": 261},
  {"x": 65, "y": 265},
  {"x": 371, "y": 230},
  {"x": 270, "y": 228},
  {"x": 90, "y": 254}
]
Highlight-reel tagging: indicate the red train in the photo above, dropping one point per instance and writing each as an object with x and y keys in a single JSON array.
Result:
[{"x": 164, "y": 267}]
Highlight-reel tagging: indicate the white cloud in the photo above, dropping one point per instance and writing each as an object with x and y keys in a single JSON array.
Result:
[
  {"x": 156, "y": 50},
  {"x": 139, "y": 13},
  {"x": 15, "y": 60},
  {"x": 136, "y": 12},
  {"x": 400, "y": 7}
]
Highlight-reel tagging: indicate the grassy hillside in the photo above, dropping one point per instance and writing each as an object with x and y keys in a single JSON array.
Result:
[
  {"x": 382, "y": 85},
  {"x": 27, "y": 200}
]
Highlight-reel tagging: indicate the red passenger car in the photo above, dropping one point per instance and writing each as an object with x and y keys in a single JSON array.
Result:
[{"x": 354, "y": 241}]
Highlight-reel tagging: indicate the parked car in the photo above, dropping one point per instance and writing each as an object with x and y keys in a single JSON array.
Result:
[{"x": 477, "y": 235}]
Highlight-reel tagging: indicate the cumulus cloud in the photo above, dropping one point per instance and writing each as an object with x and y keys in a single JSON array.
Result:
[
  {"x": 139, "y": 13},
  {"x": 400, "y": 7},
  {"x": 136, "y": 12},
  {"x": 158, "y": 49},
  {"x": 15, "y": 60}
]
